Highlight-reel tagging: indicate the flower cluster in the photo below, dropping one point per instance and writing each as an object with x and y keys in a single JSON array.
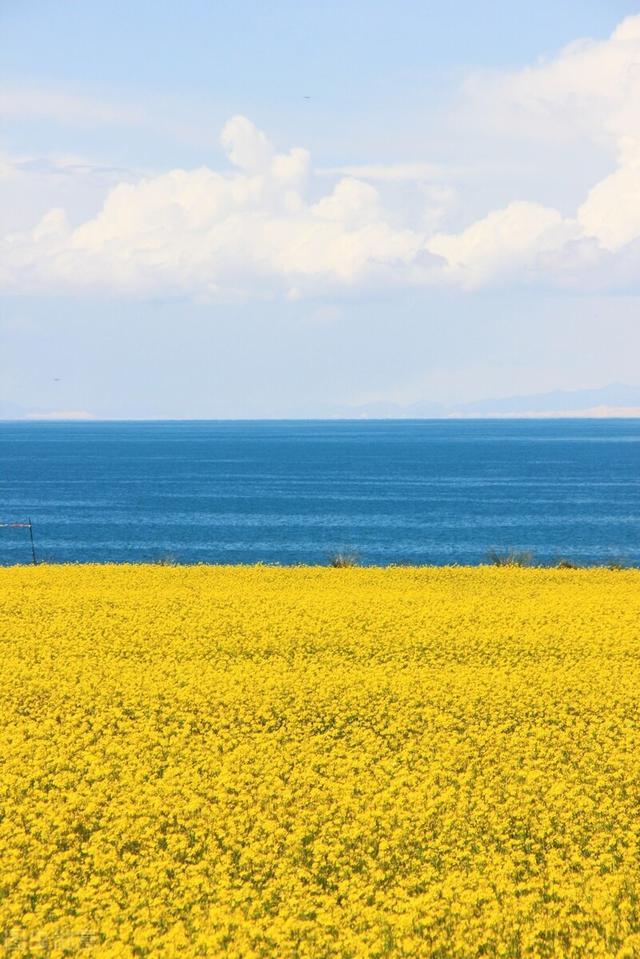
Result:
[{"x": 306, "y": 762}]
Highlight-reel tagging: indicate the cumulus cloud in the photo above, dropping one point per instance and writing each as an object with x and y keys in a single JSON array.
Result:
[
  {"x": 250, "y": 230},
  {"x": 391, "y": 172},
  {"x": 503, "y": 244},
  {"x": 592, "y": 87},
  {"x": 611, "y": 211},
  {"x": 271, "y": 226},
  {"x": 246, "y": 146}
]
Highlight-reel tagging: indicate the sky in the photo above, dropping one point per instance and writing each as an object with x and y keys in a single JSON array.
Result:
[{"x": 285, "y": 209}]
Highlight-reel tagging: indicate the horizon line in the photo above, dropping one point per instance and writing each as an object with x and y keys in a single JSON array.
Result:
[{"x": 496, "y": 417}]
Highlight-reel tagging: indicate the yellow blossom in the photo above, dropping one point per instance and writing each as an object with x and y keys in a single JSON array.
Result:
[{"x": 306, "y": 762}]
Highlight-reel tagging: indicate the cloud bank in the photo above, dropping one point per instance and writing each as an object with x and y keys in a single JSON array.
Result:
[{"x": 270, "y": 226}]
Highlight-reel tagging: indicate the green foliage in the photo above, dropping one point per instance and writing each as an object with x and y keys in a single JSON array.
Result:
[
  {"x": 168, "y": 559},
  {"x": 512, "y": 557},
  {"x": 343, "y": 560}
]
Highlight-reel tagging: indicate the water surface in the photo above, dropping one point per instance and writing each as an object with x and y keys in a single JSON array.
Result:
[{"x": 398, "y": 491}]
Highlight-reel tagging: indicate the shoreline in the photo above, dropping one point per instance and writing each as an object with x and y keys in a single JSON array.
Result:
[{"x": 563, "y": 566}]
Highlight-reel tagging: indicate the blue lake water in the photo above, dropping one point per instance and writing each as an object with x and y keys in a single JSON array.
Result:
[{"x": 290, "y": 492}]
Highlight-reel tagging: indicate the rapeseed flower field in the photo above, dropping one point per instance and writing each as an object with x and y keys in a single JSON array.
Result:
[{"x": 305, "y": 762}]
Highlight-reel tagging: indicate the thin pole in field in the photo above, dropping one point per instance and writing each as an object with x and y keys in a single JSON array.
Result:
[
  {"x": 33, "y": 549},
  {"x": 28, "y": 525}
]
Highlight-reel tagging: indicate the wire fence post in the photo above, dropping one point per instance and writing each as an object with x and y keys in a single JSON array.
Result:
[
  {"x": 33, "y": 549},
  {"x": 21, "y": 525}
]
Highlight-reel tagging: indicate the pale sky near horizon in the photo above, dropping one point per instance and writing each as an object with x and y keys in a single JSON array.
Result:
[{"x": 244, "y": 209}]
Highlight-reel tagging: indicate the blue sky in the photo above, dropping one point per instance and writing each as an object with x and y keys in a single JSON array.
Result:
[{"x": 301, "y": 209}]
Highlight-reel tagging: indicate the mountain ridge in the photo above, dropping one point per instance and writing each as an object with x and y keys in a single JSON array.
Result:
[{"x": 610, "y": 401}]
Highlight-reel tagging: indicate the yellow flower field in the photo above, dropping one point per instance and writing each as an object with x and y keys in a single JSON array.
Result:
[{"x": 307, "y": 762}]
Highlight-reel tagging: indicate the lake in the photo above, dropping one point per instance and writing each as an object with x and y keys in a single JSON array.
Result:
[{"x": 394, "y": 491}]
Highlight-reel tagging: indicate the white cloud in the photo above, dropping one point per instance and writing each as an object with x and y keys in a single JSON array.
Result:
[
  {"x": 591, "y": 87},
  {"x": 30, "y": 185},
  {"x": 611, "y": 212},
  {"x": 32, "y": 105},
  {"x": 246, "y": 146},
  {"x": 352, "y": 203},
  {"x": 391, "y": 172},
  {"x": 251, "y": 230},
  {"x": 504, "y": 243},
  {"x": 262, "y": 228},
  {"x": 21, "y": 103}
]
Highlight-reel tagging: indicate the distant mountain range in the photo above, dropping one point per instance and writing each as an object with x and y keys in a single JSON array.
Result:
[{"x": 615, "y": 400}]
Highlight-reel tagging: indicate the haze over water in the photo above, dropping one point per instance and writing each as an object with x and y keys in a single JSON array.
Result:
[{"x": 419, "y": 492}]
